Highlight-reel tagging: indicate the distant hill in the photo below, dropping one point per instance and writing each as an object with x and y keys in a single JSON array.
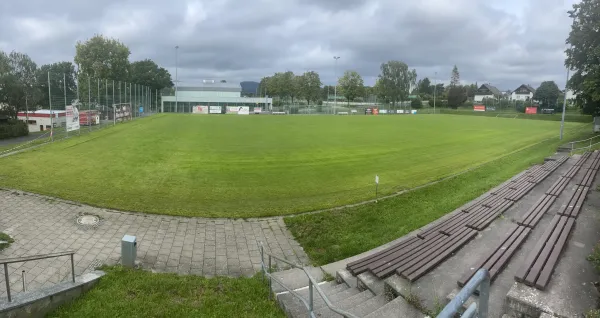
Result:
[{"x": 249, "y": 88}]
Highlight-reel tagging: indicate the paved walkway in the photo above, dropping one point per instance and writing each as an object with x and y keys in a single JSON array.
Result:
[{"x": 197, "y": 246}]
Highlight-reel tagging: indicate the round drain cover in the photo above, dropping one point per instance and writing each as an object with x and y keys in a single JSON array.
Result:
[{"x": 88, "y": 220}]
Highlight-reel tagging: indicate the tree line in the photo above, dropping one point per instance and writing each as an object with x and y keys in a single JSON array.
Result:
[{"x": 24, "y": 85}]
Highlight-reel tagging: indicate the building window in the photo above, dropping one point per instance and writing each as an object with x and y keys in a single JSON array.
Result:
[
  {"x": 32, "y": 122},
  {"x": 47, "y": 126}
]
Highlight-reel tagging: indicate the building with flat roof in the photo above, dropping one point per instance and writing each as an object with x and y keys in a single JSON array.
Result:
[
  {"x": 43, "y": 119},
  {"x": 211, "y": 93}
]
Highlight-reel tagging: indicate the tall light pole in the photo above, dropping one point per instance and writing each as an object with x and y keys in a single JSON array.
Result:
[
  {"x": 434, "y": 90},
  {"x": 176, "y": 75},
  {"x": 562, "y": 121},
  {"x": 336, "y": 58}
]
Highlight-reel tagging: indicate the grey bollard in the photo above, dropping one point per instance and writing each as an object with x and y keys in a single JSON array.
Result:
[{"x": 128, "y": 251}]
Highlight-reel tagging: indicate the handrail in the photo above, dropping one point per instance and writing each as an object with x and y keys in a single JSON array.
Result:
[
  {"x": 312, "y": 284},
  {"x": 481, "y": 279},
  {"x": 7, "y": 261}
]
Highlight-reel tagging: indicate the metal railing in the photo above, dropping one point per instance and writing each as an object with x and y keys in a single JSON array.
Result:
[
  {"x": 480, "y": 280},
  {"x": 589, "y": 143},
  {"x": 7, "y": 261},
  {"x": 312, "y": 285}
]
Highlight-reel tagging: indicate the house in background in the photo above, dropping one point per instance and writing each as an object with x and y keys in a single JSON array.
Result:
[
  {"x": 487, "y": 91},
  {"x": 523, "y": 93}
]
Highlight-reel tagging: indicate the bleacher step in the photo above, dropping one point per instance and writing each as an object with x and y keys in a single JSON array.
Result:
[
  {"x": 295, "y": 278},
  {"x": 396, "y": 308},
  {"x": 371, "y": 282},
  {"x": 344, "y": 304},
  {"x": 344, "y": 276},
  {"x": 368, "y": 306}
]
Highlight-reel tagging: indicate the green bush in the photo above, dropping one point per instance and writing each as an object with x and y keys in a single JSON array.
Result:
[
  {"x": 416, "y": 103},
  {"x": 13, "y": 128},
  {"x": 5, "y": 238}
]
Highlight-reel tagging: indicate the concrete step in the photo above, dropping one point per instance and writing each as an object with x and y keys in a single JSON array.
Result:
[
  {"x": 295, "y": 278},
  {"x": 368, "y": 306},
  {"x": 396, "y": 308},
  {"x": 332, "y": 288},
  {"x": 344, "y": 276},
  {"x": 371, "y": 282},
  {"x": 345, "y": 304}
]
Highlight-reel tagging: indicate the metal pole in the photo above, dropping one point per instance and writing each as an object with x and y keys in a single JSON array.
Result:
[
  {"x": 176, "y": 75},
  {"x": 130, "y": 99},
  {"x": 50, "y": 104},
  {"x": 562, "y": 122},
  {"x": 484, "y": 297},
  {"x": 106, "y": 94},
  {"x": 65, "y": 93},
  {"x": 113, "y": 102},
  {"x": 310, "y": 298},
  {"x": 7, "y": 282},
  {"x": 23, "y": 279},
  {"x": 262, "y": 261},
  {"x": 156, "y": 97},
  {"x": 336, "y": 58},
  {"x": 72, "y": 268},
  {"x": 89, "y": 105},
  {"x": 270, "y": 280},
  {"x": 434, "y": 90}
]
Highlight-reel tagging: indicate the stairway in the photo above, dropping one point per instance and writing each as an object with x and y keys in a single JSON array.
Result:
[{"x": 361, "y": 296}]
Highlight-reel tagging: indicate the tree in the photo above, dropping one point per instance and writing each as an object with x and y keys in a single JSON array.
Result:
[
  {"x": 17, "y": 81},
  {"x": 416, "y": 103},
  {"x": 547, "y": 94},
  {"x": 310, "y": 86},
  {"x": 351, "y": 85},
  {"x": 102, "y": 57},
  {"x": 148, "y": 73},
  {"x": 395, "y": 81},
  {"x": 424, "y": 87},
  {"x": 61, "y": 73},
  {"x": 583, "y": 56},
  {"x": 457, "y": 94}
]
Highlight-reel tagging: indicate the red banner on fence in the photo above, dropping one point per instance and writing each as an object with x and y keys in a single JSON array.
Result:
[
  {"x": 479, "y": 108},
  {"x": 531, "y": 110}
]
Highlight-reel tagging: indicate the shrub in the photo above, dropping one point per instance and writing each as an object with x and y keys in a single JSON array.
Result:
[
  {"x": 13, "y": 128},
  {"x": 416, "y": 103}
]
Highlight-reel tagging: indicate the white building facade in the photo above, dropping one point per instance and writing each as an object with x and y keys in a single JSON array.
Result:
[
  {"x": 41, "y": 120},
  {"x": 211, "y": 94},
  {"x": 523, "y": 93},
  {"x": 486, "y": 91}
]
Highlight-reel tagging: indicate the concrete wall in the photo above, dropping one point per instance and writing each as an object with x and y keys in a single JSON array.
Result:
[
  {"x": 183, "y": 95},
  {"x": 38, "y": 303}
]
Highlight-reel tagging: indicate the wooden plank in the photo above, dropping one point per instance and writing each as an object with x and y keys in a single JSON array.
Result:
[
  {"x": 381, "y": 254},
  {"x": 539, "y": 263},
  {"x": 521, "y": 192},
  {"x": 491, "y": 216},
  {"x": 455, "y": 226},
  {"x": 388, "y": 264},
  {"x": 535, "y": 213},
  {"x": 440, "y": 257},
  {"x": 436, "y": 228},
  {"x": 579, "y": 203},
  {"x": 544, "y": 277},
  {"x": 558, "y": 186},
  {"x": 503, "y": 261},
  {"x": 535, "y": 252},
  {"x": 498, "y": 200},
  {"x": 484, "y": 260},
  {"x": 536, "y": 219}
]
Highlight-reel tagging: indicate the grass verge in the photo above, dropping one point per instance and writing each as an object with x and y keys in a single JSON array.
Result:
[
  {"x": 137, "y": 293},
  {"x": 6, "y": 238},
  {"x": 331, "y": 236}
]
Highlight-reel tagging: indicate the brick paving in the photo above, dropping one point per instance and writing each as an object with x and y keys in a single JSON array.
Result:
[{"x": 196, "y": 246}]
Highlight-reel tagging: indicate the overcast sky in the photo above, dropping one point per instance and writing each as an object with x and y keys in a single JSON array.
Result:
[{"x": 503, "y": 42}]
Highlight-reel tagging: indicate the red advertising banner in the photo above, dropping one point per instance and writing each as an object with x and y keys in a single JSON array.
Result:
[
  {"x": 531, "y": 110},
  {"x": 479, "y": 108}
]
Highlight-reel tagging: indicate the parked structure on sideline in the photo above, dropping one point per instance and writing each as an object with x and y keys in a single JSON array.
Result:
[
  {"x": 211, "y": 95},
  {"x": 41, "y": 120}
]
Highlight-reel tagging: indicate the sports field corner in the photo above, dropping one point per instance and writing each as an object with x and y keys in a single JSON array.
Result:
[{"x": 241, "y": 167}]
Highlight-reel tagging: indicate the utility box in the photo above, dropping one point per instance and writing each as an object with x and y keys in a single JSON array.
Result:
[{"x": 128, "y": 251}]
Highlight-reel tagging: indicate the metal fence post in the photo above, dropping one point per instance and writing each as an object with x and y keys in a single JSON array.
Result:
[
  {"x": 591, "y": 143},
  {"x": 310, "y": 298},
  {"x": 572, "y": 146},
  {"x": 484, "y": 297},
  {"x": 23, "y": 278},
  {"x": 270, "y": 280},
  {"x": 262, "y": 261},
  {"x": 7, "y": 282},
  {"x": 72, "y": 268}
]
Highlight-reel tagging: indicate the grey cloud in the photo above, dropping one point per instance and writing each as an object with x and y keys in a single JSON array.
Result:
[{"x": 490, "y": 41}]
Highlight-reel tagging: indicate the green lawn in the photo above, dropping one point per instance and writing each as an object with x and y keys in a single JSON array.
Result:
[
  {"x": 137, "y": 293},
  {"x": 248, "y": 166}
]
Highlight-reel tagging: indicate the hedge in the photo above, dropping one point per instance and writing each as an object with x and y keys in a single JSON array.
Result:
[{"x": 13, "y": 128}]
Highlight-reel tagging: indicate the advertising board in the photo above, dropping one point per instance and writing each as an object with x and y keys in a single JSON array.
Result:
[
  {"x": 243, "y": 110},
  {"x": 479, "y": 108},
  {"x": 198, "y": 109},
  {"x": 72, "y": 118},
  {"x": 530, "y": 110},
  {"x": 215, "y": 109}
]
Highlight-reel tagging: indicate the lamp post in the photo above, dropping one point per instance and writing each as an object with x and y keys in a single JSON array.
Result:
[
  {"x": 336, "y": 58},
  {"x": 562, "y": 121},
  {"x": 176, "y": 75},
  {"x": 434, "y": 90}
]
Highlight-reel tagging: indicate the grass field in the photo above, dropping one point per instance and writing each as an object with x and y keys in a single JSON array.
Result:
[
  {"x": 136, "y": 293},
  {"x": 248, "y": 166}
]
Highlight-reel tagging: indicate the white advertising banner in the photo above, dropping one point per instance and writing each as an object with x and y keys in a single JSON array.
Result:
[
  {"x": 72, "y": 118},
  {"x": 399, "y": 111},
  {"x": 257, "y": 110},
  {"x": 215, "y": 109},
  {"x": 200, "y": 109},
  {"x": 383, "y": 111},
  {"x": 243, "y": 110},
  {"x": 232, "y": 109}
]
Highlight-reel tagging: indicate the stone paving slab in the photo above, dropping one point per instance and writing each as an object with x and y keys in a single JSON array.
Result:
[{"x": 197, "y": 246}]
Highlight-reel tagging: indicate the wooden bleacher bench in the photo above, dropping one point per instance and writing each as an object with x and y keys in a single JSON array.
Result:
[
  {"x": 360, "y": 266},
  {"x": 588, "y": 178},
  {"x": 557, "y": 188},
  {"x": 540, "y": 264},
  {"x": 537, "y": 211},
  {"x": 499, "y": 256},
  {"x": 573, "y": 206}
]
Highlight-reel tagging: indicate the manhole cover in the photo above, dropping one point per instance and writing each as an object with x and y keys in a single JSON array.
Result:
[{"x": 88, "y": 220}]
